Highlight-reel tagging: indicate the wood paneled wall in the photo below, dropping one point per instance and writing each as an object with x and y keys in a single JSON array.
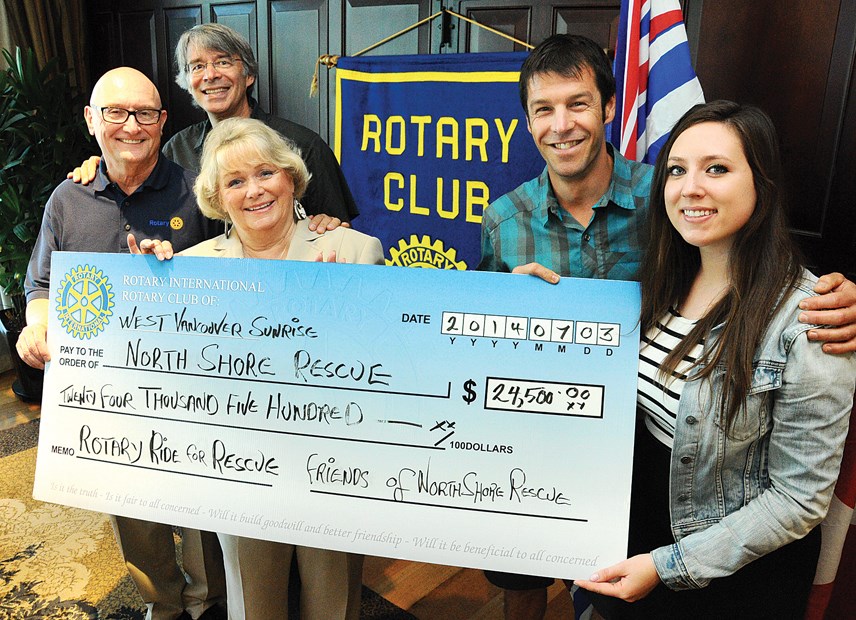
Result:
[{"x": 794, "y": 59}]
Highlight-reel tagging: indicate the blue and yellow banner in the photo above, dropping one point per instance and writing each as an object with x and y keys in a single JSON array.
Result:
[{"x": 426, "y": 143}]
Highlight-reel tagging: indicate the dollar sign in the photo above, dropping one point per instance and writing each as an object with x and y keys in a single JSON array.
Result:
[{"x": 470, "y": 396}]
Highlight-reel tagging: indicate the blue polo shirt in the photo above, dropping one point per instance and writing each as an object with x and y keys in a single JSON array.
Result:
[
  {"x": 527, "y": 225},
  {"x": 98, "y": 217}
]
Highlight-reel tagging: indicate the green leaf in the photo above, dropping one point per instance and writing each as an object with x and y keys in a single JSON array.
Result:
[{"x": 42, "y": 136}]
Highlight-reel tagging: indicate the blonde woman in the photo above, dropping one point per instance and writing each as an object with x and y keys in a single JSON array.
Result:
[{"x": 253, "y": 179}]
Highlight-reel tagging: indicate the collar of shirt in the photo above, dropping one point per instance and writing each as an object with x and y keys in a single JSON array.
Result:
[
  {"x": 621, "y": 189},
  {"x": 158, "y": 179},
  {"x": 257, "y": 113},
  {"x": 619, "y": 192}
]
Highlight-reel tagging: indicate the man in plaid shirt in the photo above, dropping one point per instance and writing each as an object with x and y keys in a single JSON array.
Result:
[{"x": 584, "y": 216}]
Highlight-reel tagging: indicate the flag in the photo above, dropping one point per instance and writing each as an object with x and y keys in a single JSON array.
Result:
[
  {"x": 832, "y": 593},
  {"x": 655, "y": 80}
]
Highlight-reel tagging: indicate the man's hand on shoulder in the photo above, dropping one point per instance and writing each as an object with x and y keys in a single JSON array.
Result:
[
  {"x": 538, "y": 270},
  {"x": 835, "y": 306},
  {"x": 87, "y": 171},
  {"x": 321, "y": 223}
]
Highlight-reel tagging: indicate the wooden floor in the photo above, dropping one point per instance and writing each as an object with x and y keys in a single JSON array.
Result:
[
  {"x": 428, "y": 591},
  {"x": 434, "y": 592},
  {"x": 12, "y": 410}
]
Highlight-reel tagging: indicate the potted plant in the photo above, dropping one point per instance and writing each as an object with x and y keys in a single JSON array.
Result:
[{"x": 42, "y": 137}]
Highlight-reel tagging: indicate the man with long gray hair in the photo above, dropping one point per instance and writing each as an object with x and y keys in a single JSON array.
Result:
[{"x": 216, "y": 65}]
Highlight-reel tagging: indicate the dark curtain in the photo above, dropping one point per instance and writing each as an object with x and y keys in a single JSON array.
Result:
[{"x": 53, "y": 29}]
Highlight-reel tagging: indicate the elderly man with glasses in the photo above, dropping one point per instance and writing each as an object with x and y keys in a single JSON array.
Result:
[
  {"x": 216, "y": 65},
  {"x": 136, "y": 190}
]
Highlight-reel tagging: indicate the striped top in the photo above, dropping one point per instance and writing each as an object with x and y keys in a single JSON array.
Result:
[{"x": 658, "y": 396}]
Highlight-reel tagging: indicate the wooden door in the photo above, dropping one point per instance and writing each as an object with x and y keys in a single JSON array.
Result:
[
  {"x": 289, "y": 35},
  {"x": 795, "y": 60}
]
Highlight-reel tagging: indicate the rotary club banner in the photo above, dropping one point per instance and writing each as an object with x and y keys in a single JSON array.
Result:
[{"x": 427, "y": 143}]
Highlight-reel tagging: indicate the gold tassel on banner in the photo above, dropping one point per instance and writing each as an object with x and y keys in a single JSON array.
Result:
[{"x": 330, "y": 60}]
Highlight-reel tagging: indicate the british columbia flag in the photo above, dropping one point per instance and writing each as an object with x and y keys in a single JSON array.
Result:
[{"x": 655, "y": 80}]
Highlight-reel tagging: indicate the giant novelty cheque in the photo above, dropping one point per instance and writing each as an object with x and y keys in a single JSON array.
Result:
[{"x": 463, "y": 418}]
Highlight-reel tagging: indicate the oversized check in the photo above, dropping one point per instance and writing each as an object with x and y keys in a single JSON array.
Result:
[{"x": 472, "y": 419}]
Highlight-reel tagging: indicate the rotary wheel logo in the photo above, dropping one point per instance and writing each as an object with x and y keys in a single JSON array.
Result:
[
  {"x": 85, "y": 301},
  {"x": 424, "y": 253}
]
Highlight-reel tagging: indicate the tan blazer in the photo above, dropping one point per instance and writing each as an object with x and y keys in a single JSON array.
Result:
[
  {"x": 352, "y": 246},
  {"x": 257, "y": 571}
]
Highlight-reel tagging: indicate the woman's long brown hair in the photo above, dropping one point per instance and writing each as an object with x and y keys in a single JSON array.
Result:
[{"x": 763, "y": 259}]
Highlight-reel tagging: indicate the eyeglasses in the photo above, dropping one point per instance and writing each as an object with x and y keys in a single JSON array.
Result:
[
  {"x": 221, "y": 64},
  {"x": 120, "y": 115}
]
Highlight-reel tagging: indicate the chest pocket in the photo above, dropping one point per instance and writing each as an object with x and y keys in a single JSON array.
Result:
[
  {"x": 753, "y": 420},
  {"x": 618, "y": 264},
  {"x": 618, "y": 251}
]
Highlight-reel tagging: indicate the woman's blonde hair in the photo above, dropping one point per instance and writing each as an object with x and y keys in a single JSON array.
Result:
[{"x": 251, "y": 142}]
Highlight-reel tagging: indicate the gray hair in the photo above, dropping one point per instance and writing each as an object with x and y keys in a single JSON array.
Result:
[
  {"x": 250, "y": 141},
  {"x": 213, "y": 37}
]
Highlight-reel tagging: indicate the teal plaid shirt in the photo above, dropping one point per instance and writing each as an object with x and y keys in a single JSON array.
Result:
[{"x": 527, "y": 225}]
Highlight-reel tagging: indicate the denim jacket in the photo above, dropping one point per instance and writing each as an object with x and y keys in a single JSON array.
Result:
[{"x": 768, "y": 482}]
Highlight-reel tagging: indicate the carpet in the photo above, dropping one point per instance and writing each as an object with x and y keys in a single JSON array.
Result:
[{"x": 62, "y": 563}]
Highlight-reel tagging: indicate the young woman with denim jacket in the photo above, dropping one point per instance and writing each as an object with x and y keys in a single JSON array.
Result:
[{"x": 744, "y": 419}]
